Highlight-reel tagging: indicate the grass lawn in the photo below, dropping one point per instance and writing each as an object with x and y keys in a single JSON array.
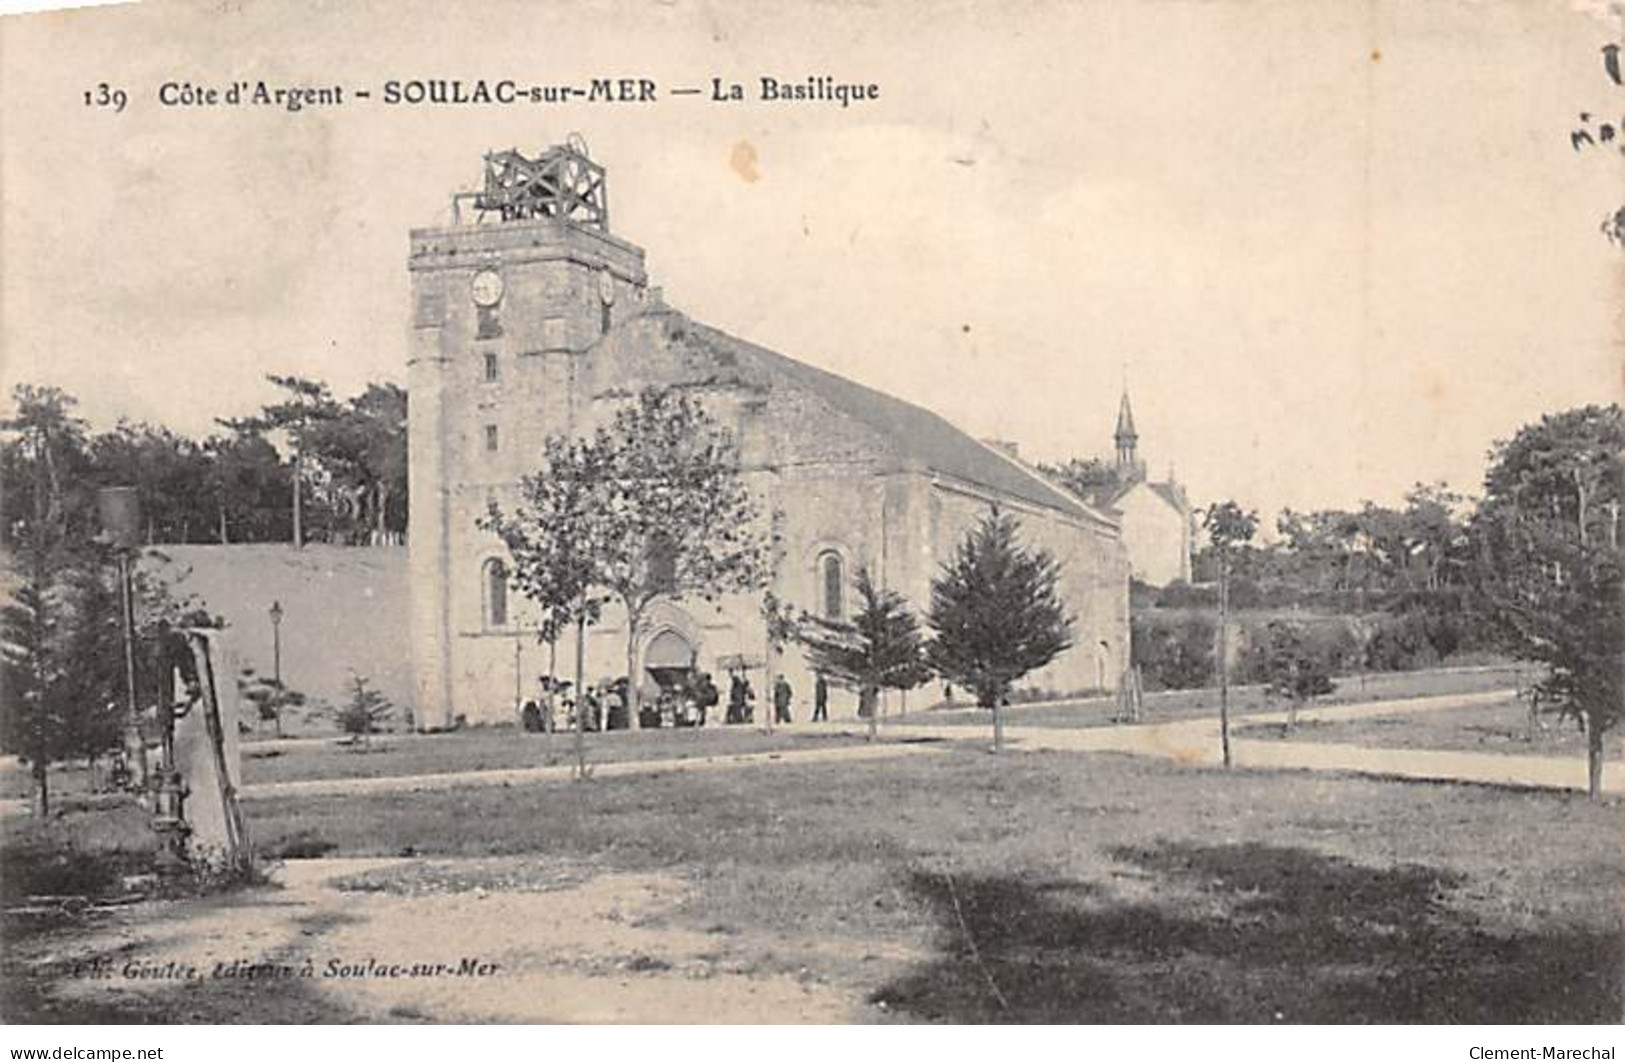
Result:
[
  {"x": 1501, "y": 727},
  {"x": 497, "y": 748},
  {"x": 1167, "y": 705},
  {"x": 1059, "y": 887},
  {"x": 65, "y": 780}
]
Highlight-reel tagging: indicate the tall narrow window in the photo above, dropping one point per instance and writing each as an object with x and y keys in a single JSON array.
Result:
[
  {"x": 832, "y": 581},
  {"x": 496, "y": 594},
  {"x": 491, "y": 438},
  {"x": 490, "y": 368}
]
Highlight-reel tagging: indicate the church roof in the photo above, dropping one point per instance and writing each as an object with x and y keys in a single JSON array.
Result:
[
  {"x": 1170, "y": 492},
  {"x": 915, "y": 433}
]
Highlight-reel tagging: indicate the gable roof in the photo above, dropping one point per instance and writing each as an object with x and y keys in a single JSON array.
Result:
[
  {"x": 916, "y": 433},
  {"x": 1171, "y": 493}
]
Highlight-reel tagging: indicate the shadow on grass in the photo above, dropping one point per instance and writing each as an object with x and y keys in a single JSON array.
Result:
[
  {"x": 32, "y": 995},
  {"x": 1261, "y": 934},
  {"x": 51, "y": 981}
]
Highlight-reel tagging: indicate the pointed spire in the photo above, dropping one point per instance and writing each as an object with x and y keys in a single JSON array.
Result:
[
  {"x": 1125, "y": 423},
  {"x": 1129, "y": 465}
]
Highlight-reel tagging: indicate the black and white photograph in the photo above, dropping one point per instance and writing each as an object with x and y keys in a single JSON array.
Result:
[{"x": 625, "y": 512}]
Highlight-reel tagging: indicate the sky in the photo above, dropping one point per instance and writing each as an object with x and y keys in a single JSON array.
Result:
[{"x": 1333, "y": 248}]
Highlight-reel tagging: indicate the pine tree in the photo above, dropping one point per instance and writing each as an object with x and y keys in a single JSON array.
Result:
[
  {"x": 996, "y": 614},
  {"x": 365, "y": 713},
  {"x": 878, "y": 649}
]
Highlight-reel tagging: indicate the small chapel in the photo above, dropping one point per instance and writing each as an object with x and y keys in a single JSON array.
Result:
[
  {"x": 530, "y": 318},
  {"x": 1157, "y": 527}
]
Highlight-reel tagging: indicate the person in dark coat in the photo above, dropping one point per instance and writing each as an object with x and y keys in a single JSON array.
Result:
[
  {"x": 740, "y": 696},
  {"x": 782, "y": 696},
  {"x": 706, "y": 695},
  {"x": 820, "y": 700}
]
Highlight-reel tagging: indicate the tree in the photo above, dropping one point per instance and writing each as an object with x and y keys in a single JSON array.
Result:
[
  {"x": 1548, "y": 562},
  {"x": 1228, "y": 528},
  {"x": 43, "y": 450},
  {"x": 1293, "y": 668},
  {"x": 357, "y": 454},
  {"x": 171, "y": 475},
  {"x": 365, "y": 713},
  {"x": 247, "y": 483},
  {"x": 308, "y": 405},
  {"x": 1085, "y": 477},
  {"x": 651, "y": 505},
  {"x": 996, "y": 614},
  {"x": 878, "y": 649},
  {"x": 44, "y": 458},
  {"x": 553, "y": 540},
  {"x": 94, "y": 714},
  {"x": 672, "y": 515}
]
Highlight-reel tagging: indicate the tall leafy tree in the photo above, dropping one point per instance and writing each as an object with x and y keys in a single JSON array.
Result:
[
  {"x": 1548, "y": 562},
  {"x": 996, "y": 614},
  {"x": 305, "y": 407},
  {"x": 170, "y": 472},
  {"x": 553, "y": 536},
  {"x": 45, "y": 471},
  {"x": 358, "y": 458},
  {"x": 675, "y": 517},
  {"x": 879, "y": 648},
  {"x": 248, "y": 485},
  {"x": 657, "y": 509}
]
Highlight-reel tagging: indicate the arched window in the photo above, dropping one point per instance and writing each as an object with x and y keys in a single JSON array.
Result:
[
  {"x": 496, "y": 593},
  {"x": 831, "y": 585}
]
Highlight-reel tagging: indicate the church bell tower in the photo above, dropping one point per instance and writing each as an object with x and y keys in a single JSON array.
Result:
[
  {"x": 1129, "y": 465},
  {"x": 506, "y": 302}
]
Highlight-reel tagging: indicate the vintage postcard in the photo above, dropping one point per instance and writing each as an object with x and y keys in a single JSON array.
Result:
[{"x": 650, "y": 511}]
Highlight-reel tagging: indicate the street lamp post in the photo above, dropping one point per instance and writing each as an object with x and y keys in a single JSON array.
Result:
[
  {"x": 120, "y": 511},
  {"x": 276, "y": 643}
]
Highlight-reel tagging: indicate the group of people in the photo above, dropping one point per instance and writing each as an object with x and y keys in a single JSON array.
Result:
[
  {"x": 680, "y": 704},
  {"x": 741, "y": 700}
]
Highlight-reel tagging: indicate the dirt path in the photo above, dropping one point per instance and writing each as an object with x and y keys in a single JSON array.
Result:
[
  {"x": 1187, "y": 741},
  {"x": 1196, "y": 741},
  {"x": 483, "y": 940},
  {"x": 563, "y": 772}
]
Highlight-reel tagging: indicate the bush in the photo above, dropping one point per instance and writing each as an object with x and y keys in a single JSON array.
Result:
[
  {"x": 1297, "y": 664},
  {"x": 268, "y": 697},
  {"x": 1401, "y": 643},
  {"x": 1175, "y": 652},
  {"x": 1180, "y": 594}
]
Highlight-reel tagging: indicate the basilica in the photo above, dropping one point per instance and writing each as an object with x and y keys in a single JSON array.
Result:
[{"x": 530, "y": 319}]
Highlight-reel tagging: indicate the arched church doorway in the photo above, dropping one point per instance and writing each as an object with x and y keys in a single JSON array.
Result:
[
  {"x": 669, "y": 658},
  {"x": 672, "y": 662}
]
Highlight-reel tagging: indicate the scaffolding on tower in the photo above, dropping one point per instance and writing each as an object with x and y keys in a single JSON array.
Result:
[{"x": 562, "y": 182}]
